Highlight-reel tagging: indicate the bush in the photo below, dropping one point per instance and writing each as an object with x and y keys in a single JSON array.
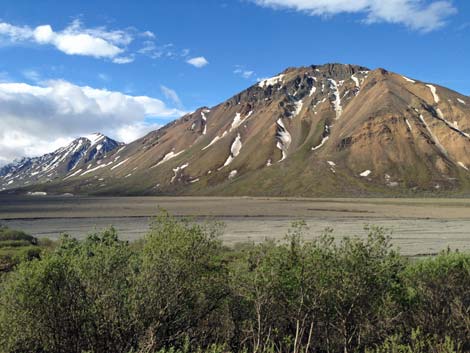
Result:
[
  {"x": 14, "y": 243},
  {"x": 46, "y": 243},
  {"x": 7, "y": 234},
  {"x": 438, "y": 297},
  {"x": 100, "y": 295},
  {"x": 180, "y": 291},
  {"x": 320, "y": 296},
  {"x": 417, "y": 342},
  {"x": 181, "y": 288},
  {"x": 15, "y": 247}
]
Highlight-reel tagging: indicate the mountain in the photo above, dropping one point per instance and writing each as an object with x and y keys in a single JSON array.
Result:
[
  {"x": 327, "y": 130},
  {"x": 58, "y": 165}
]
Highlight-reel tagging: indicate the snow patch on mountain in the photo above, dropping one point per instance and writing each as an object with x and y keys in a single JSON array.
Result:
[
  {"x": 168, "y": 156},
  {"x": 204, "y": 119},
  {"x": 320, "y": 145},
  {"x": 238, "y": 120},
  {"x": 332, "y": 166},
  {"x": 177, "y": 170},
  {"x": 462, "y": 165},
  {"x": 314, "y": 108},
  {"x": 58, "y": 164},
  {"x": 119, "y": 164},
  {"x": 73, "y": 174},
  {"x": 434, "y": 93},
  {"x": 408, "y": 124},
  {"x": 337, "y": 101},
  {"x": 408, "y": 79},
  {"x": 453, "y": 126},
  {"x": 284, "y": 139},
  {"x": 234, "y": 151},
  {"x": 94, "y": 138},
  {"x": 325, "y": 137},
  {"x": 271, "y": 81},
  {"x": 95, "y": 168},
  {"x": 356, "y": 81},
  {"x": 214, "y": 140},
  {"x": 433, "y": 137},
  {"x": 313, "y": 89},
  {"x": 298, "y": 107}
]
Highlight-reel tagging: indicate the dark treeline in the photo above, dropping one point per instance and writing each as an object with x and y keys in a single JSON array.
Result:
[{"x": 181, "y": 290}]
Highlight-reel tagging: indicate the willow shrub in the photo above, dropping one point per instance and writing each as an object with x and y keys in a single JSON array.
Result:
[{"x": 180, "y": 290}]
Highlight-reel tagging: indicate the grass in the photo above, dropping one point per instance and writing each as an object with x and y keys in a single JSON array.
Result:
[{"x": 16, "y": 246}]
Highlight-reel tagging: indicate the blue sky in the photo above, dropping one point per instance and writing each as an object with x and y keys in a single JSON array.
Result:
[{"x": 123, "y": 50}]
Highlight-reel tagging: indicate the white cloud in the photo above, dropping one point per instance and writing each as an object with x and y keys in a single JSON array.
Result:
[
  {"x": 123, "y": 59},
  {"x": 240, "y": 71},
  {"x": 73, "y": 40},
  {"x": 15, "y": 33},
  {"x": 168, "y": 50},
  {"x": 135, "y": 131},
  {"x": 16, "y": 144},
  {"x": 38, "y": 119},
  {"x": 419, "y": 15},
  {"x": 117, "y": 46},
  {"x": 43, "y": 34},
  {"x": 31, "y": 75},
  {"x": 198, "y": 62},
  {"x": 151, "y": 50},
  {"x": 148, "y": 34},
  {"x": 171, "y": 95}
]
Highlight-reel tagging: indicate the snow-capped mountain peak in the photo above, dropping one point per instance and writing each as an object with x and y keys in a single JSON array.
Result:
[
  {"x": 56, "y": 165},
  {"x": 95, "y": 137}
]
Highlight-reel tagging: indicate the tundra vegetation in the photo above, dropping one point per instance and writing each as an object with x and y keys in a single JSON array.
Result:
[
  {"x": 180, "y": 290},
  {"x": 17, "y": 246}
]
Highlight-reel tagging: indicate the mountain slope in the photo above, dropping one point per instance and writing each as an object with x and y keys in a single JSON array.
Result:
[
  {"x": 61, "y": 164},
  {"x": 325, "y": 130}
]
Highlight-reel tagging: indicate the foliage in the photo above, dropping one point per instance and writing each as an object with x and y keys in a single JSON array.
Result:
[
  {"x": 180, "y": 291},
  {"x": 438, "y": 296},
  {"x": 17, "y": 246},
  {"x": 417, "y": 342},
  {"x": 7, "y": 234}
]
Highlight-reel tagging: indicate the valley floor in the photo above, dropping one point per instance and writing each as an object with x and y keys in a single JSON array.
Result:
[{"x": 420, "y": 226}]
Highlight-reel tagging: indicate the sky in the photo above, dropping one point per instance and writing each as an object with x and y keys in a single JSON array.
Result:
[{"x": 124, "y": 68}]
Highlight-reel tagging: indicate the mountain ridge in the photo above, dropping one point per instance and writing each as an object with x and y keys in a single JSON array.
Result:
[
  {"x": 57, "y": 164},
  {"x": 319, "y": 130}
]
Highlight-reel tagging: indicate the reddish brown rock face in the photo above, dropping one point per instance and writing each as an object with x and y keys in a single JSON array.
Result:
[{"x": 383, "y": 133}]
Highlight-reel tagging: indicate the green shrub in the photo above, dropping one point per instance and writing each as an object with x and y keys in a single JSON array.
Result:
[
  {"x": 180, "y": 291},
  {"x": 17, "y": 246},
  {"x": 438, "y": 296},
  {"x": 7, "y": 234},
  {"x": 47, "y": 243},
  {"x": 14, "y": 243},
  {"x": 318, "y": 295},
  {"x": 12, "y": 256},
  {"x": 100, "y": 295},
  {"x": 417, "y": 342},
  {"x": 181, "y": 285}
]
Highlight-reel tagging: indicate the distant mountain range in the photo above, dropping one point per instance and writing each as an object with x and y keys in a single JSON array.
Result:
[
  {"x": 76, "y": 158},
  {"x": 329, "y": 130}
]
